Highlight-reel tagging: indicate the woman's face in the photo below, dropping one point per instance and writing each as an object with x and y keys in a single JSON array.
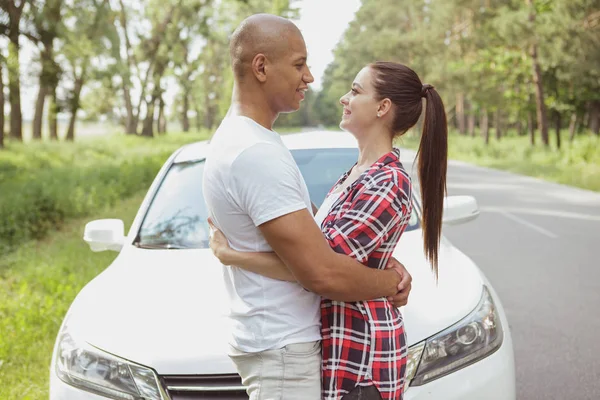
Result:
[{"x": 360, "y": 106}]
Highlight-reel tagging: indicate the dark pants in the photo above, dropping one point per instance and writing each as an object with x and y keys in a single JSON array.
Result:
[{"x": 363, "y": 393}]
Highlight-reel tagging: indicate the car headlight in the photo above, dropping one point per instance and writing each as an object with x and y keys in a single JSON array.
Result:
[
  {"x": 86, "y": 367},
  {"x": 476, "y": 336},
  {"x": 414, "y": 356}
]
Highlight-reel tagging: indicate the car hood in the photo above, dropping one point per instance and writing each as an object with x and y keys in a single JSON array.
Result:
[
  {"x": 435, "y": 305},
  {"x": 167, "y": 309}
]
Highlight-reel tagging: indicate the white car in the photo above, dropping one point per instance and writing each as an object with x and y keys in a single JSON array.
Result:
[{"x": 154, "y": 324}]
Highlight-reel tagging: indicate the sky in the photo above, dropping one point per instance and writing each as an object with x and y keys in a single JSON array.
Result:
[{"x": 322, "y": 22}]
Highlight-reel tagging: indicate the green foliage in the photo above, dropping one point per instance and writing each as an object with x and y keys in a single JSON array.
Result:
[
  {"x": 42, "y": 184},
  {"x": 478, "y": 51}
]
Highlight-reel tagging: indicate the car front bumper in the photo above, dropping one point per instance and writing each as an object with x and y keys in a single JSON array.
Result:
[{"x": 492, "y": 378}]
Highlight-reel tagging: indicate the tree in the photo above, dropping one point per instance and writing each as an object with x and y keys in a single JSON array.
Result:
[
  {"x": 1, "y": 103},
  {"x": 47, "y": 21},
  {"x": 126, "y": 70},
  {"x": 84, "y": 45},
  {"x": 10, "y": 28},
  {"x": 538, "y": 79},
  {"x": 502, "y": 60},
  {"x": 193, "y": 32}
]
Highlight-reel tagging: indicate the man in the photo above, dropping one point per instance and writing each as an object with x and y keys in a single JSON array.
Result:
[{"x": 258, "y": 198}]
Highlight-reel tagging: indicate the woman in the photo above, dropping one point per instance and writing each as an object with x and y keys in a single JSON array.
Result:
[{"x": 363, "y": 216}]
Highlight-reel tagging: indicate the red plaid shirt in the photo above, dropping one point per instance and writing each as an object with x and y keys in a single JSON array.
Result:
[{"x": 364, "y": 342}]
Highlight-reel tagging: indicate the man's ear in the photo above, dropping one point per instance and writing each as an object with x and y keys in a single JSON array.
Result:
[{"x": 259, "y": 66}]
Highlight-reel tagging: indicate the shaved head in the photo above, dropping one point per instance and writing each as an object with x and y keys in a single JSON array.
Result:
[{"x": 260, "y": 34}]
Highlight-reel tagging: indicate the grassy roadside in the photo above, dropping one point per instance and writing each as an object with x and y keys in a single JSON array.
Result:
[
  {"x": 38, "y": 283},
  {"x": 576, "y": 164},
  {"x": 48, "y": 192}
]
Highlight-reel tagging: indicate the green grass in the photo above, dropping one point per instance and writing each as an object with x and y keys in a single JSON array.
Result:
[
  {"x": 38, "y": 282},
  {"x": 48, "y": 191},
  {"x": 576, "y": 164}
]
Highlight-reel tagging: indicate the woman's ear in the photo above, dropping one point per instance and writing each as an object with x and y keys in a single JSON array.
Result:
[{"x": 384, "y": 107}]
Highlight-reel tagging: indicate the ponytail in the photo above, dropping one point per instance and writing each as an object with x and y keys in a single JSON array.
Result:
[
  {"x": 432, "y": 166},
  {"x": 403, "y": 87}
]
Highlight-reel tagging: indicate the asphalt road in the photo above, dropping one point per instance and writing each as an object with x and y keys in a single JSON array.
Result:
[{"x": 538, "y": 244}]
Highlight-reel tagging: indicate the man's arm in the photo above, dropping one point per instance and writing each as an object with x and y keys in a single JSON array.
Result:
[
  {"x": 270, "y": 265},
  {"x": 299, "y": 243},
  {"x": 262, "y": 263}
]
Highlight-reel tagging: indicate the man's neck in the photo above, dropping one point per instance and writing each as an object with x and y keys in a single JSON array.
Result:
[{"x": 253, "y": 106}]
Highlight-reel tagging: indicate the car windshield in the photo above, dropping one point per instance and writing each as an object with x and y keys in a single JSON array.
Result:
[{"x": 177, "y": 216}]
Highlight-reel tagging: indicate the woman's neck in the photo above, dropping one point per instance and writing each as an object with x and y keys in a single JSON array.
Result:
[{"x": 372, "y": 148}]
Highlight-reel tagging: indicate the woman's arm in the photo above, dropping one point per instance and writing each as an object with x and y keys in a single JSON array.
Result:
[{"x": 266, "y": 264}]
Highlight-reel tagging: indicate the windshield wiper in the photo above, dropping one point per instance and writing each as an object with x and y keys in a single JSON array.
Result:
[{"x": 167, "y": 246}]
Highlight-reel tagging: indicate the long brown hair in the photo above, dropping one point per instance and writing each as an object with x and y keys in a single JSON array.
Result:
[{"x": 402, "y": 86}]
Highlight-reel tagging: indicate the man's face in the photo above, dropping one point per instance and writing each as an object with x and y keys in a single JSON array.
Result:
[{"x": 289, "y": 77}]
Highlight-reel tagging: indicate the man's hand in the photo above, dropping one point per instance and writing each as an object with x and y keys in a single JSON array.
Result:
[
  {"x": 218, "y": 243},
  {"x": 401, "y": 298}
]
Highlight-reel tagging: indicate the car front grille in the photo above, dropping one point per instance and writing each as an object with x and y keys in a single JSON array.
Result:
[{"x": 218, "y": 387}]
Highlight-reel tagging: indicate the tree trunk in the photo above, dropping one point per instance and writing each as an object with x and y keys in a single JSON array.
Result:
[
  {"x": 1, "y": 106},
  {"x": 130, "y": 127},
  {"x": 573, "y": 126},
  {"x": 14, "y": 87},
  {"x": 557, "y": 122},
  {"x": 595, "y": 117},
  {"x": 198, "y": 118},
  {"x": 460, "y": 113},
  {"x": 71, "y": 129},
  {"x": 585, "y": 122},
  {"x": 519, "y": 127},
  {"x": 539, "y": 99},
  {"x": 531, "y": 127},
  {"x": 185, "y": 121},
  {"x": 39, "y": 110},
  {"x": 148, "y": 126},
  {"x": 52, "y": 112},
  {"x": 75, "y": 106},
  {"x": 161, "y": 125},
  {"x": 471, "y": 123},
  {"x": 147, "y": 129},
  {"x": 131, "y": 121},
  {"x": 153, "y": 45},
  {"x": 497, "y": 123},
  {"x": 484, "y": 125},
  {"x": 209, "y": 116},
  {"x": 538, "y": 82}
]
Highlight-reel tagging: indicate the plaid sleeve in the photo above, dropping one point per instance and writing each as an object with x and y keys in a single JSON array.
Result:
[{"x": 376, "y": 213}]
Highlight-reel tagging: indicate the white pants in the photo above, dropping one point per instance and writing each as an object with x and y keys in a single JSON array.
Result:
[{"x": 290, "y": 373}]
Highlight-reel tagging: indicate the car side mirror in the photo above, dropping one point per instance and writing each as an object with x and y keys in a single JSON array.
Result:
[
  {"x": 460, "y": 209},
  {"x": 105, "y": 234}
]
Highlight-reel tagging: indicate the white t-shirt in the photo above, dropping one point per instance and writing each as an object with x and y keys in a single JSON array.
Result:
[
  {"x": 323, "y": 211},
  {"x": 250, "y": 177}
]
